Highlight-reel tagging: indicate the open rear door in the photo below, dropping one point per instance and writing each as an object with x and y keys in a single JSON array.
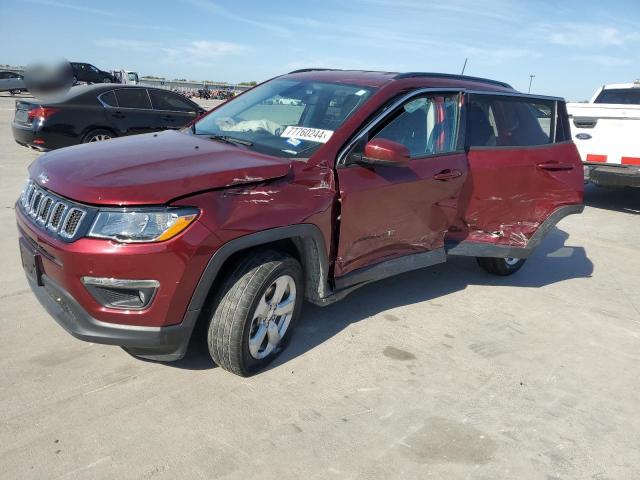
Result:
[{"x": 525, "y": 174}]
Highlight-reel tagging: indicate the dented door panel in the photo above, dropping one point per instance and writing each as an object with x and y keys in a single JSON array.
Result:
[
  {"x": 387, "y": 212},
  {"x": 509, "y": 192}
]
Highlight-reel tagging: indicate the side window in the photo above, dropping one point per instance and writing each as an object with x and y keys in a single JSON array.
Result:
[
  {"x": 169, "y": 101},
  {"x": 504, "y": 121},
  {"x": 109, "y": 99},
  {"x": 92, "y": 68},
  {"x": 133, "y": 98},
  {"x": 425, "y": 125},
  {"x": 563, "y": 131},
  {"x": 4, "y": 75}
]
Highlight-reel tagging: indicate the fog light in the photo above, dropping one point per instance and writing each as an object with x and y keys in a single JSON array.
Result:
[{"x": 120, "y": 293}]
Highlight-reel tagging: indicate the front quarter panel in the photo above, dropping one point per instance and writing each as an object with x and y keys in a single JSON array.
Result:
[{"x": 306, "y": 195}]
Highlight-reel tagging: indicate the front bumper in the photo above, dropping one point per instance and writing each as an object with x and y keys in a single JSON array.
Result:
[
  {"x": 159, "y": 332},
  {"x": 154, "y": 343},
  {"x": 613, "y": 175}
]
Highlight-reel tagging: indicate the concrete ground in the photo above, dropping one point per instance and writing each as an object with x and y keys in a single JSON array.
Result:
[{"x": 444, "y": 373}]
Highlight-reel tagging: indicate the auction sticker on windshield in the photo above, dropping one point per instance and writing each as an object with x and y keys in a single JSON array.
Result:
[{"x": 311, "y": 134}]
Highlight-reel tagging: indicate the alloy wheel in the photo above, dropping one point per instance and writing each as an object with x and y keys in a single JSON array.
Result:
[
  {"x": 272, "y": 316},
  {"x": 99, "y": 138}
]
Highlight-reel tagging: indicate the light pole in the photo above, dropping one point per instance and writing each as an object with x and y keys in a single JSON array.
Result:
[{"x": 531, "y": 77}]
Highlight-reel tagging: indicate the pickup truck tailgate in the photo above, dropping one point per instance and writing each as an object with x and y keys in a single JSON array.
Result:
[{"x": 606, "y": 133}]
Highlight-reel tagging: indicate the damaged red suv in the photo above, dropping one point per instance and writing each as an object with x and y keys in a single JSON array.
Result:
[{"x": 305, "y": 187}]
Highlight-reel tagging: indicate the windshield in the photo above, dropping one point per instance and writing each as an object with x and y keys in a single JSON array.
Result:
[{"x": 285, "y": 118}]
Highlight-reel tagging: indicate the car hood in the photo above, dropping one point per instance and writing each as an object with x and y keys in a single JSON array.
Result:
[{"x": 151, "y": 169}]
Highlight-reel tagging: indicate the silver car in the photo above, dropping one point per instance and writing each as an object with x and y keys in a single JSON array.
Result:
[{"x": 12, "y": 82}]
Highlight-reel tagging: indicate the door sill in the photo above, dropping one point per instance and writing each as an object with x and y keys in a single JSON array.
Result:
[{"x": 390, "y": 268}]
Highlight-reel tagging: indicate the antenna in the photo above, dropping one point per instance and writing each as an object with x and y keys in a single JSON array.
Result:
[{"x": 464, "y": 66}]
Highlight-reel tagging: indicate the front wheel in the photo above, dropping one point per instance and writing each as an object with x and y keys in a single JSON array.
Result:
[
  {"x": 501, "y": 266},
  {"x": 255, "y": 311}
]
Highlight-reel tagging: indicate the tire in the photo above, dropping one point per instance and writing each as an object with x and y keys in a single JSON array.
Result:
[
  {"x": 501, "y": 266},
  {"x": 98, "y": 136},
  {"x": 244, "y": 312},
  {"x": 106, "y": 80}
]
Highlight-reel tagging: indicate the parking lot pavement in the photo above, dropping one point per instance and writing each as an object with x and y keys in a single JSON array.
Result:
[{"x": 443, "y": 373}]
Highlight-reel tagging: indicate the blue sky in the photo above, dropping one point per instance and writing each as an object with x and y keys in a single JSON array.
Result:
[{"x": 572, "y": 47}]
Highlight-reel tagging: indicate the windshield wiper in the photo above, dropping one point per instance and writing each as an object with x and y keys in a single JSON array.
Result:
[{"x": 231, "y": 140}]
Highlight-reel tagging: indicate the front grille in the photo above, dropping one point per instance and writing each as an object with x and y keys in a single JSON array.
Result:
[
  {"x": 44, "y": 210},
  {"x": 59, "y": 216},
  {"x": 71, "y": 222}
]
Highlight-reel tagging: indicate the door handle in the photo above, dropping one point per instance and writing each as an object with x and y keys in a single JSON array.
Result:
[
  {"x": 167, "y": 117},
  {"x": 447, "y": 175},
  {"x": 118, "y": 115},
  {"x": 555, "y": 166}
]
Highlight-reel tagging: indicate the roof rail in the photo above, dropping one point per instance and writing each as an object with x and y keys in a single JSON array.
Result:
[
  {"x": 302, "y": 70},
  {"x": 452, "y": 76}
]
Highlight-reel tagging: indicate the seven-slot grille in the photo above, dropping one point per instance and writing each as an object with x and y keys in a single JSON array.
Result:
[{"x": 60, "y": 217}]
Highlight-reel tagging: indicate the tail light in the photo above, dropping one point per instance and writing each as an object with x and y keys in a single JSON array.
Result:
[{"x": 41, "y": 113}]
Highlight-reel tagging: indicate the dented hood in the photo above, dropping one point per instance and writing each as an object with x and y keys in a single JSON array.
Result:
[{"x": 151, "y": 169}]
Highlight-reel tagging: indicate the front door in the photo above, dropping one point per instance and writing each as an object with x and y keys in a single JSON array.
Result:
[
  {"x": 522, "y": 167},
  {"x": 389, "y": 212}
]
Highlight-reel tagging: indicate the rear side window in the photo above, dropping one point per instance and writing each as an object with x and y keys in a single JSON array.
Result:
[
  {"x": 133, "y": 98},
  {"x": 622, "y": 96},
  {"x": 170, "y": 101},
  {"x": 109, "y": 99},
  {"x": 504, "y": 121},
  {"x": 563, "y": 131}
]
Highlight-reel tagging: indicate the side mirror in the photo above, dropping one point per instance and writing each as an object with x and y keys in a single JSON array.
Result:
[{"x": 381, "y": 151}]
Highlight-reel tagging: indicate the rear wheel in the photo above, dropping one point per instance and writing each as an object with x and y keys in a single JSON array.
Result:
[
  {"x": 501, "y": 266},
  {"x": 97, "y": 136},
  {"x": 255, "y": 312}
]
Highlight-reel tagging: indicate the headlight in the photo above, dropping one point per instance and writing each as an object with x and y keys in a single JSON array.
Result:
[{"x": 153, "y": 225}]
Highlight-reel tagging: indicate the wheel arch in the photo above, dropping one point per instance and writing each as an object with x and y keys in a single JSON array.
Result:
[{"x": 303, "y": 241}]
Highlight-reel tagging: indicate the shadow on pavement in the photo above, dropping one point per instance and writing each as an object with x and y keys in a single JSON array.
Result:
[
  {"x": 625, "y": 200},
  {"x": 552, "y": 262}
]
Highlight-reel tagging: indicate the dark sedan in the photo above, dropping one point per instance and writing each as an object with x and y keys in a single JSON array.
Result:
[{"x": 91, "y": 113}]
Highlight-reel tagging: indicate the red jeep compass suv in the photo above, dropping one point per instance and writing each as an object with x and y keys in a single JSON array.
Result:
[{"x": 304, "y": 187}]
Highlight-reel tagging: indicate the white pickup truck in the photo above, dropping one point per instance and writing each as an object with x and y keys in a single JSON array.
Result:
[{"x": 607, "y": 133}]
